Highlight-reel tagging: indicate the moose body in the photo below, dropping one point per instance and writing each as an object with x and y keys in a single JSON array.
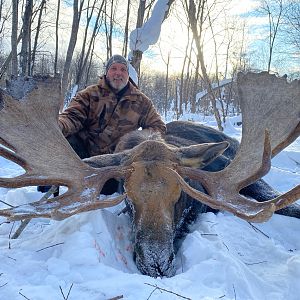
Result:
[
  {"x": 167, "y": 182},
  {"x": 159, "y": 225}
]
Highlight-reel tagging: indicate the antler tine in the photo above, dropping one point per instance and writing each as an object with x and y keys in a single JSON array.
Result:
[
  {"x": 25, "y": 125},
  {"x": 271, "y": 112},
  {"x": 63, "y": 206},
  {"x": 235, "y": 203}
]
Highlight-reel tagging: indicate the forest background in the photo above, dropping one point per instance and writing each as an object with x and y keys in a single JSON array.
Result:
[{"x": 186, "y": 52}]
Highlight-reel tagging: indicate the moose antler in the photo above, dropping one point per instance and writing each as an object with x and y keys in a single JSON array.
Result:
[
  {"x": 31, "y": 138},
  {"x": 270, "y": 108},
  {"x": 271, "y": 113}
]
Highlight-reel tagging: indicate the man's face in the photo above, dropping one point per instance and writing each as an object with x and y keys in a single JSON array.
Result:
[{"x": 117, "y": 75}]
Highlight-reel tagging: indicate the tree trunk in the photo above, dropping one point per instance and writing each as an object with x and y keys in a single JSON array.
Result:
[
  {"x": 14, "y": 37},
  {"x": 75, "y": 25},
  {"x": 195, "y": 87},
  {"x": 125, "y": 43},
  {"x": 136, "y": 53},
  {"x": 80, "y": 69},
  {"x": 43, "y": 4},
  {"x": 25, "y": 37},
  {"x": 109, "y": 25},
  {"x": 85, "y": 55},
  {"x": 56, "y": 37},
  {"x": 182, "y": 84},
  {"x": 193, "y": 20},
  {"x": 6, "y": 63},
  {"x": 167, "y": 85}
]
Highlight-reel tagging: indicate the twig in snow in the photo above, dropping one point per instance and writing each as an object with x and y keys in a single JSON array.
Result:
[
  {"x": 226, "y": 246},
  {"x": 164, "y": 290},
  {"x": 5, "y": 222},
  {"x": 66, "y": 298},
  {"x": 295, "y": 161},
  {"x": 49, "y": 247},
  {"x": 23, "y": 296},
  {"x": 153, "y": 292},
  {"x": 256, "y": 263},
  {"x": 209, "y": 234},
  {"x": 11, "y": 229},
  {"x": 234, "y": 291},
  {"x": 258, "y": 230},
  {"x": 9, "y": 247},
  {"x": 12, "y": 258},
  {"x": 7, "y": 204},
  {"x": 3, "y": 285},
  {"x": 116, "y": 298}
]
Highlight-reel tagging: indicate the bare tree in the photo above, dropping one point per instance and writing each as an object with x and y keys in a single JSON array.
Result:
[
  {"x": 167, "y": 63},
  {"x": 7, "y": 61},
  {"x": 183, "y": 69},
  {"x": 39, "y": 21},
  {"x": 77, "y": 10},
  {"x": 109, "y": 25},
  {"x": 137, "y": 53},
  {"x": 126, "y": 30},
  {"x": 85, "y": 53},
  {"x": 56, "y": 36},
  {"x": 196, "y": 15},
  {"x": 292, "y": 23},
  {"x": 25, "y": 49},
  {"x": 14, "y": 37},
  {"x": 4, "y": 17},
  {"x": 274, "y": 10}
]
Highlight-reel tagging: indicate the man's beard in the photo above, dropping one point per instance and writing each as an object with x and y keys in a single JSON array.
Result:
[{"x": 117, "y": 85}]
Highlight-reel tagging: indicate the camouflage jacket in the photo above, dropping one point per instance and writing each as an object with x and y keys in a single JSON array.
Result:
[{"x": 101, "y": 120}]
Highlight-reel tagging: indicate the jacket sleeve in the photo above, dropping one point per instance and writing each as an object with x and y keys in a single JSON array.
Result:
[
  {"x": 72, "y": 119},
  {"x": 151, "y": 118}
]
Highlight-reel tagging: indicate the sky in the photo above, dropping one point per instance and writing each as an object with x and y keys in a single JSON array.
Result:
[
  {"x": 173, "y": 38},
  {"x": 89, "y": 255}
]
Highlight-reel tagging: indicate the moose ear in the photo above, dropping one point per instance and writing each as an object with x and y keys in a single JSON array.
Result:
[
  {"x": 198, "y": 156},
  {"x": 106, "y": 160}
]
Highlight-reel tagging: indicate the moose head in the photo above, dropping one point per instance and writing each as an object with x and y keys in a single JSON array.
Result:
[{"x": 153, "y": 171}]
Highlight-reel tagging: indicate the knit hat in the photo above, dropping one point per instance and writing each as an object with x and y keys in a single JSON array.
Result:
[{"x": 116, "y": 59}]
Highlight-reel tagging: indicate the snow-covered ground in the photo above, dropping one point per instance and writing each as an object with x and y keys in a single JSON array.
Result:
[{"x": 89, "y": 256}]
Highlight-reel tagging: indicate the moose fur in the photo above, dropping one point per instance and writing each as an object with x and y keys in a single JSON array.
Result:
[{"x": 186, "y": 210}]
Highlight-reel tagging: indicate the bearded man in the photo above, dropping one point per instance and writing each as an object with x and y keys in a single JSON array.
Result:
[
  {"x": 98, "y": 116},
  {"x": 102, "y": 113}
]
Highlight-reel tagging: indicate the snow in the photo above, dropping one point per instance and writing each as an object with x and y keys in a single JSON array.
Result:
[
  {"x": 89, "y": 255},
  {"x": 141, "y": 38}
]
